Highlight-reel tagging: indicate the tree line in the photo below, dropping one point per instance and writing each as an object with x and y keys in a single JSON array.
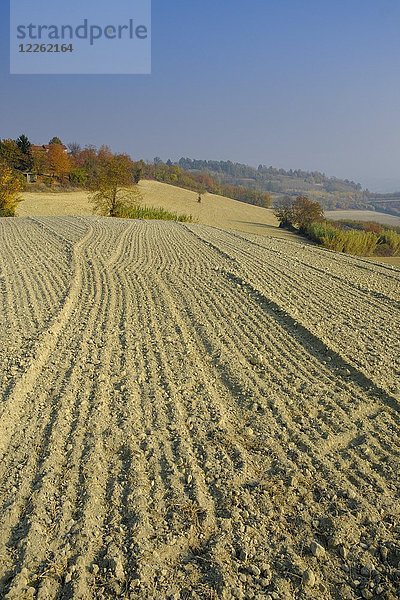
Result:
[
  {"x": 270, "y": 178},
  {"x": 55, "y": 164},
  {"x": 110, "y": 178}
]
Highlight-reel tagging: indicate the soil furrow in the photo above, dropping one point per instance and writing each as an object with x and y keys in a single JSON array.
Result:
[{"x": 186, "y": 412}]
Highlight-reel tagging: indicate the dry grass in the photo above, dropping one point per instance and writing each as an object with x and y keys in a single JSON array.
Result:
[
  {"x": 216, "y": 211},
  {"x": 389, "y": 260}
]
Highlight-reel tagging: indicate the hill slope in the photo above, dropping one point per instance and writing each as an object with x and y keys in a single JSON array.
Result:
[
  {"x": 214, "y": 210},
  {"x": 185, "y": 410},
  {"x": 331, "y": 192}
]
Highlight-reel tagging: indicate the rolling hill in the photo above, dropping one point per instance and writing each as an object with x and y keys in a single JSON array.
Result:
[{"x": 216, "y": 211}]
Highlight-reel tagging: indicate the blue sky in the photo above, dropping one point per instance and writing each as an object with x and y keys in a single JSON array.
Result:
[{"x": 312, "y": 84}]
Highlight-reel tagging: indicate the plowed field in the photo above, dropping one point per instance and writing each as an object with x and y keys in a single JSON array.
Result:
[{"x": 191, "y": 413}]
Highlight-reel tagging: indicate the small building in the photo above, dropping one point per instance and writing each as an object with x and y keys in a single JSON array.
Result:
[
  {"x": 46, "y": 147},
  {"x": 30, "y": 177}
]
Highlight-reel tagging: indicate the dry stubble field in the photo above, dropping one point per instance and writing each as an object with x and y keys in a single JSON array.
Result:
[
  {"x": 217, "y": 211},
  {"x": 192, "y": 413}
]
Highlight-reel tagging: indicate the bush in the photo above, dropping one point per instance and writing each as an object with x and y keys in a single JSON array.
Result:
[
  {"x": 364, "y": 225},
  {"x": 359, "y": 243},
  {"x": 78, "y": 177},
  {"x": 6, "y": 212},
  {"x": 299, "y": 213},
  {"x": 327, "y": 235},
  {"x": 347, "y": 224},
  {"x": 11, "y": 185},
  {"x": 147, "y": 212},
  {"x": 391, "y": 241}
]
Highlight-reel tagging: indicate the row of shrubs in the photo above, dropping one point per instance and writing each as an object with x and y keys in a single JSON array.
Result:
[
  {"x": 365, "y": 225},
  {"x": 148, "y": 212},
  {"x": 354, "y": 241}
]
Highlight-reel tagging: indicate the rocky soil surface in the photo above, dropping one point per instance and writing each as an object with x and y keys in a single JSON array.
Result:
[{"x": 187, "y": 412}]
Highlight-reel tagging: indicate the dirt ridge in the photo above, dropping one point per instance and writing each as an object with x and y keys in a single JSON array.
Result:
[{"x": 194, "y": 415}]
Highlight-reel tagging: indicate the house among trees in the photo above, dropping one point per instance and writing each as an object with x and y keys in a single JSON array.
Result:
[
  {"x": 46, "y": 148},
  {"x": 50, "y": 160}
]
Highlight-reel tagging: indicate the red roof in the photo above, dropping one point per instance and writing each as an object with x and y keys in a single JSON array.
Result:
[{"x": 46, "y": 147}]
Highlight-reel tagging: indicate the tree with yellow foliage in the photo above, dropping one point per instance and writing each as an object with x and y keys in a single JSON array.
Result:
[
  {"x": 59, "y": 161},
  {"x": 113, "y": 189},
  {"x": 11, "y": 186}
]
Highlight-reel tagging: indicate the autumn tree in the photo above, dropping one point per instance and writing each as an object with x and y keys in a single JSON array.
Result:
[
  {"x": 284, "y": 212},
  {"x": 40, "y": 161},
  {"x": 201, "y": 190},
  {"x": 206, "y": 182},
  {"x": 305, "y": 212},
  {"x": 113, "y": 190},
  {"x": 11, "y": 185},
  {"x": 59, "y": 161},
  {"x": 87, "y": 161},
  {"x": 138, "y": 171},
  {"x": 10, "y": 154},
  {"x": 298, "y": 213}
]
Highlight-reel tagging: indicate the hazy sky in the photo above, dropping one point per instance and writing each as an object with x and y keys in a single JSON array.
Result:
[{"x": 311, "y": 84}]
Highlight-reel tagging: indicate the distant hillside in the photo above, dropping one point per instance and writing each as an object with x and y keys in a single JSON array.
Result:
[
  {"x": 388, "y": 203},
  {"x": 331, "y": 192}
]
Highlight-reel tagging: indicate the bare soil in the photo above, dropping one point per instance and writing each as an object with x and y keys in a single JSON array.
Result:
[{"x": 188, "y": 412}]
